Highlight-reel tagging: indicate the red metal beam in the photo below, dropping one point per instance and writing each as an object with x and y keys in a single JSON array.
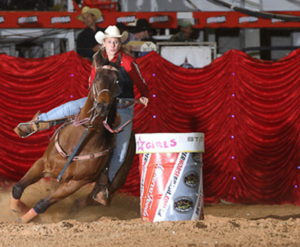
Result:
[
  {"x": 239, "y": 20},
  {"x": 52, "y": 19}
]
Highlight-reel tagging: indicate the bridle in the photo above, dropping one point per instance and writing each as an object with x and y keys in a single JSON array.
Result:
[
  {"x": 97, "y": 106},
  {"x": 121, "y": 128}
]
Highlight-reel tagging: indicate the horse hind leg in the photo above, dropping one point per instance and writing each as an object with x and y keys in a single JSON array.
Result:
[
  {"x": 100, "y": 191},
  {"x": 63, "y": 191},
  {"x": 119, "y": 180},
  {"x": 97, "y": 195},
  {"x": 33, "y": 175}
]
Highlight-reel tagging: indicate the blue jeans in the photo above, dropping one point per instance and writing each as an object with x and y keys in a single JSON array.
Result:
[
  {"x": 68, "y": 109},
  {"x": 123, "y": 138}
]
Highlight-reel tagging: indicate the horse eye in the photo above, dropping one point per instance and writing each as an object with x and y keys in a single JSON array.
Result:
[{"x": 117, "y": 82}]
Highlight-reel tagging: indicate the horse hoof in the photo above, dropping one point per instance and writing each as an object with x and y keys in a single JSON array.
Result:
[
  {"x": 18, "y": 207},
  {"x": 28, "y": 216},
  {"x": 101, "y": 197}
]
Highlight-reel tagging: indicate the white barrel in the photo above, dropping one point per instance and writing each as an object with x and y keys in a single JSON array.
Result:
[{"x": 171, "y": 176}]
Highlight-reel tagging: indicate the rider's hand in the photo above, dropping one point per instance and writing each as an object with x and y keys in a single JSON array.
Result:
[{"x": 144, "y": 100}]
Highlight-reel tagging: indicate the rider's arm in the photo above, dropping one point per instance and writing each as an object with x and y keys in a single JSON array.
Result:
[{"x": 133, "y": 71}]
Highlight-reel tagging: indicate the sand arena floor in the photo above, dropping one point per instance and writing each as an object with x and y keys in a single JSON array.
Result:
[{"x": 119, "y": 224}]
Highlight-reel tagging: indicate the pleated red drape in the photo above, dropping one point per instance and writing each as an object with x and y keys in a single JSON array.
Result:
[{"x": 248, "y": 109}]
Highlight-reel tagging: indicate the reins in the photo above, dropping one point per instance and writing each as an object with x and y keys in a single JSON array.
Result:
[
  {"x": 106, "y": 125},
  {"x": 91, "y": 120},
  {"x": 72, "y": 155}
]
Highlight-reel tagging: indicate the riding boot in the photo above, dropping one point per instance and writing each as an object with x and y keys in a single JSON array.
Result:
[{"x": 27, "y": 129}]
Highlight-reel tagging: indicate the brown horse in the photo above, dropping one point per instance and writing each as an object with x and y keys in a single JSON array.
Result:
[{"x": 92, "y": 155}]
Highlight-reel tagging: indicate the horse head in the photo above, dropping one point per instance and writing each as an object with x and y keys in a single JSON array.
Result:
[{"x": 104, "y": 89}]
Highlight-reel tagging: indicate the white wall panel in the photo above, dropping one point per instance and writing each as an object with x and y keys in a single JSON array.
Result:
[{"x": 204, "y": 5}]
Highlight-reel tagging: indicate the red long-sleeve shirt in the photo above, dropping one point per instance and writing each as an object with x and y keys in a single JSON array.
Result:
[{"x": 130, "y": 67}]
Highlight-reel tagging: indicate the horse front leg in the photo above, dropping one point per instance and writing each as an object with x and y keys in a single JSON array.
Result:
[
  {"x": 63, "y": 191},
  {"x": 34, "y": 174}
]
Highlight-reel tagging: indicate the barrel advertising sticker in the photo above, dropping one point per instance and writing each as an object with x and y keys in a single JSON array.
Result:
[{"x": 171, "y": 182}]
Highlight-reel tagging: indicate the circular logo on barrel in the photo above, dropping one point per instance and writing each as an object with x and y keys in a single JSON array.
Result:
[
  {"x": 191, "y": 179},
  {"x": 183, "y": 204}
]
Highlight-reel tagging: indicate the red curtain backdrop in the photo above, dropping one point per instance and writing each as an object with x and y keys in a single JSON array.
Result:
[{"x": 247, "y": 108}]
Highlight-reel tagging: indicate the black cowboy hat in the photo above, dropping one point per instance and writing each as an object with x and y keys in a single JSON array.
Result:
[{"x": 140, "y": 26}]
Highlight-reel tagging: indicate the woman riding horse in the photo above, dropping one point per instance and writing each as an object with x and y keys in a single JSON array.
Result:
[
  {"x": 91, "y": 157},
  {"x": 110, "y": 53}
]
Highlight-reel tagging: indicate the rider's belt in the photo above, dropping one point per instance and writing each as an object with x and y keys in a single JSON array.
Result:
[{"x": 122, "y": 101}]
